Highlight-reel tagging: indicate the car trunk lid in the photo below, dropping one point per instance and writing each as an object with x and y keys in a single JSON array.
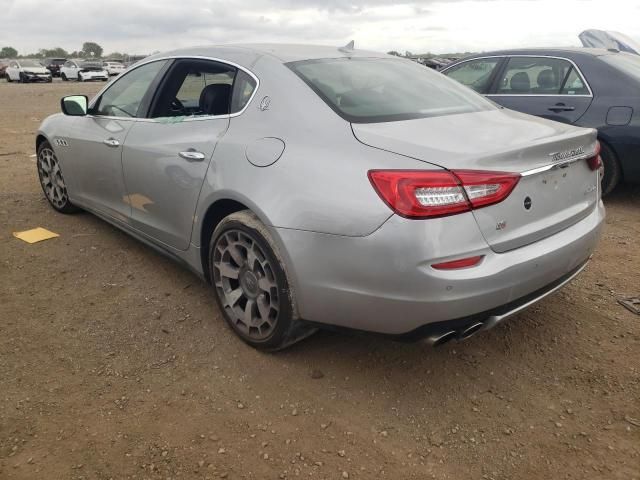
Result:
[{"x": 556, "y": 189}]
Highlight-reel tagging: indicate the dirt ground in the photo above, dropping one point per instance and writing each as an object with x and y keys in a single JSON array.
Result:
[{"x": 115, "y": 363}]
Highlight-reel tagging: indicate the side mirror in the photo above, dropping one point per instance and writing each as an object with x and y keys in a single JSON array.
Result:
[{"x": 75, "y": 105}]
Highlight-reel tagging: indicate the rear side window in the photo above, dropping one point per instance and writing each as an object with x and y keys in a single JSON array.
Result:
[
  {"x": 540, "y": 76},
  {"x": 243, "y": 88},
  {"x": 474, "y": 74},
  {"x": 366, "y": 90}
]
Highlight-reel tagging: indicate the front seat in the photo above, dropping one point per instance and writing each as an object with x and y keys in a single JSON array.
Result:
[
  {"x": 520, "y": 83},
  {"x": 547, "y": 82},
  {"x": 215, "y": 99}
]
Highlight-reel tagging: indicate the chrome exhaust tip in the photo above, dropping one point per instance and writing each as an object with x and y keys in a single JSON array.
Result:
[
  {"x": 469, "y": 331},
  {"x": 441, "y": 338}
]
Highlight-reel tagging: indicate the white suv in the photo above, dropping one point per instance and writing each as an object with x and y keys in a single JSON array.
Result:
[
  {"x": 25, "y": 70},
  {"x": 113, "y": 68},
  {"x": 83, "y": 71}
]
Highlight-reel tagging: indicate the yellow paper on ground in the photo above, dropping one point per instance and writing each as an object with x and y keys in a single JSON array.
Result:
[{"x": 35, "y": 235}]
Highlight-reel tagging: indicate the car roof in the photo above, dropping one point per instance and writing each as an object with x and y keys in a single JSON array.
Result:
[
  {"x": 557, "y": 51},
  {"x": 282, "y": 52}
]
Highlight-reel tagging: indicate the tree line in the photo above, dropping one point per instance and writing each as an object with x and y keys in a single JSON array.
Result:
[{"x": 88, "y": 50}]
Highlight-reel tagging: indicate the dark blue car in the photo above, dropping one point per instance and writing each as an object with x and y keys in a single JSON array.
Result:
[{"x": 582, "y": 86}]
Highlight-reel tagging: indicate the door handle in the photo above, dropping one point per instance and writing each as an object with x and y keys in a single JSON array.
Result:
[
  {"x": 561, "y": 107},
  {"x": 192, "y": 155},
  {"x": 111, "y": 142}
]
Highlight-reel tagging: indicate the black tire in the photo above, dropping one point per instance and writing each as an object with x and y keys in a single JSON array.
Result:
[
  {"x": 612, "y": 171},
  {"x": 8, "y": 78},
  {"x": 51, "y": 181},
  {"x": 238, "y": 241},
  {"x": 23, "y": 78},
  {"x": 63, "y": 77},
  {"x": 79, "y": 78}
]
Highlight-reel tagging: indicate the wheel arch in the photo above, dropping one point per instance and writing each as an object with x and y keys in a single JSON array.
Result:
[
  {"x": 607, "y": 140},
  {"x": 212, "y": 217},
  {"x": 40, "y": 138}
]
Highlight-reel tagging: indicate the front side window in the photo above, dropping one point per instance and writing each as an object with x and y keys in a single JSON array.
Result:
[
  {"x": 366, "y": 90},
  {"x": 539, "y": 76},
  {"x": 475, "y": 74},
  {"x": 123, "y": 98},
  {"x": 195, "y": 88}
]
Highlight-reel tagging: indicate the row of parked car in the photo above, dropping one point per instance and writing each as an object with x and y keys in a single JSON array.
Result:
[{"x": 29, "y": 70}]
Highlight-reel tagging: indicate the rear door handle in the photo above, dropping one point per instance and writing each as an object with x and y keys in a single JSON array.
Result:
[
  {"x": 192, "y": 155},
  {"x": 561, "y": 107},
  {"x": 111, "y": 142}
]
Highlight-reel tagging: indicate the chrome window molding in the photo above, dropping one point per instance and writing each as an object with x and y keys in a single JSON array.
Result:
[
  {"x": 582, "y": 77},
  {"x": 186, "y": 119}
]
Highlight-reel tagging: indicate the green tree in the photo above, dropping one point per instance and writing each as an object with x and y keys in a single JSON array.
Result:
[
  {"x": 91, "y": 49},
  {"x": 8, "y": 52},
  {"x": 54, "y": 52},
  {"x": 115, "y": 56}
]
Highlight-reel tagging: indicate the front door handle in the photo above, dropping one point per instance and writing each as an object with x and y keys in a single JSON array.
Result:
[
  {"x": 561, "y": 107},
  {"x": 192, "y": 155},
  {"x": 111, "y": 142}
]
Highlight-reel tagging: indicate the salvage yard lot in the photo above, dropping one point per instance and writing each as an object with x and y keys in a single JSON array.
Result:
[{"x": 115, "y": 363}]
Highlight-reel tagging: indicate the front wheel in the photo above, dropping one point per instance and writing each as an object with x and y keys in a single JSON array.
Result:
[
  {"x": 251, "y": 286},
  {"x": 52, "y": 181},
  {"x": 63, "y": 77},
  {"x": 612, "y": 171},
  {"x": 79, "y": 78}
]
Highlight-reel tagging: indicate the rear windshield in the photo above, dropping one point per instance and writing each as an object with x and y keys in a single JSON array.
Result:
[
  {"x": 367, "y": 90},
  {"x": 626, "y": 62}
]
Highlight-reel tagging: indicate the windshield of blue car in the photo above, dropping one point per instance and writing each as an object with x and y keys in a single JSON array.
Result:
[
  {"x": 368, "y": 90},
  {"x": 626, "y": 62}
]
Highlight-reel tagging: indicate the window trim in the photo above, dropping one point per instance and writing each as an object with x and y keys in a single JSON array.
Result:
[
  {"x": 582, "y": 77},
  {"x": 186, "y": 119}
]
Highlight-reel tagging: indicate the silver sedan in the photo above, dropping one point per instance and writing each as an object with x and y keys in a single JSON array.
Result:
[{"x": 313, "y": 186}]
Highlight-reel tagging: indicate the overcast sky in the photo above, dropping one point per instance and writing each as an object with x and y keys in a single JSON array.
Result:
[{"x": 143, "y": 26}]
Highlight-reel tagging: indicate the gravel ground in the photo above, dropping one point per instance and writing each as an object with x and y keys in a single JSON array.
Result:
[{"x": 115, "y": 363}]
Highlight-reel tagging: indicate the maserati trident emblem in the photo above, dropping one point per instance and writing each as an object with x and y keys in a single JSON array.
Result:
[
  {"x": 265, "y": 103},
  {"x": 566, "y": 154}
]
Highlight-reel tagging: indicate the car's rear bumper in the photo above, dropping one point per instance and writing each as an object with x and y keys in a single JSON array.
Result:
[{"x": 384, "y": 282}]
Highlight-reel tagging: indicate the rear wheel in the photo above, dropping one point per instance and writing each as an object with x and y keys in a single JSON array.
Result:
[
  {"x": 612, "y": 172},
  {"x": 252, "y": 288},
  {"x": 52, "y": 181}
]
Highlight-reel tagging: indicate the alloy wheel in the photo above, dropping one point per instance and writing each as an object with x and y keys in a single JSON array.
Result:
[
  {"x": 246, "y": 284},
  {"x": 51, "y": 178}
]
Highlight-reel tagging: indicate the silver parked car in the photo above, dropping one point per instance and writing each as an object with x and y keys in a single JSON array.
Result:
[{"x": 314, "y": 186}]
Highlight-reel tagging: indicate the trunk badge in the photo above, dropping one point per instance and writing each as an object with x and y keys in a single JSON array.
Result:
[{"x": 527, "y": 203}]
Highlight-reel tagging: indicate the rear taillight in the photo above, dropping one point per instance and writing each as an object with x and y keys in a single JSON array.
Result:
[
  {"x": 437, "y": 193},
  {"x": 595, "y": 162}
]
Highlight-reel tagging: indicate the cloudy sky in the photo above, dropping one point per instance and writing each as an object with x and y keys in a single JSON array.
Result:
[{"x": 143, "y": 26}]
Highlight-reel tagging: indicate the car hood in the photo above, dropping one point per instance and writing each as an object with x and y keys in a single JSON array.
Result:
[
  {"x": 498, "y": 139},
  {"x": 35, "y": 69}
]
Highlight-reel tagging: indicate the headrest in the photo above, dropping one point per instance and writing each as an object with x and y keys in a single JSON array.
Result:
[
  {"x": 547, "y": 79},
  {"x": 520, "y": 82},
  {"x": 215, "y": 99}
]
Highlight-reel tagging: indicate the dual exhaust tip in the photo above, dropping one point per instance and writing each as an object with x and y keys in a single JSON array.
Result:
[{"x": 445, "y": 336}]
